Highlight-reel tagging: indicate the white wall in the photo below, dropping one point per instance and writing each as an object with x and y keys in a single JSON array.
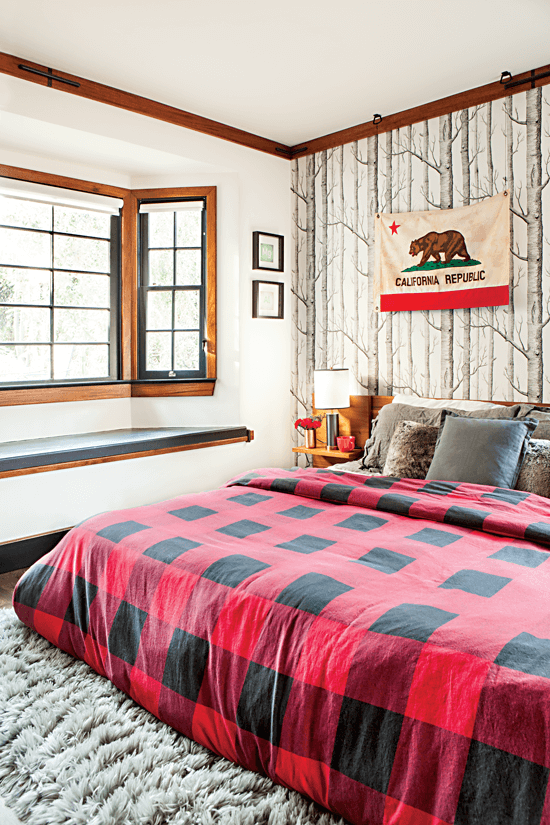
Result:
[{"x": 51, "y": 131}]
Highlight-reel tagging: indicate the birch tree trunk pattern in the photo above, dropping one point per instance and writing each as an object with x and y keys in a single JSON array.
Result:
[{"x": 453, "y": 160}]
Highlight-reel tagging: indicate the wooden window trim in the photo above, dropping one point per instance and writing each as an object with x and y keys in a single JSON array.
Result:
[
  {"x": 128, "y": 386},
  {"x": 209, "y": 193}
]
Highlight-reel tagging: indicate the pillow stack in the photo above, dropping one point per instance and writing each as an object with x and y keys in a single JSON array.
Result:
[
  {"x": 444, "y": 440},
  {"x": 383, "y": 427}
]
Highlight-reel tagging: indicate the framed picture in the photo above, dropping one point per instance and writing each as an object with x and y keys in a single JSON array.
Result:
[
  {"x": 267, "y": 299},
  {"x": 268, "y": 251}
]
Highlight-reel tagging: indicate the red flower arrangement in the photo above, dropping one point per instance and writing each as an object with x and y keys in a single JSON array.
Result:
[{"x": 308, "y": 423}]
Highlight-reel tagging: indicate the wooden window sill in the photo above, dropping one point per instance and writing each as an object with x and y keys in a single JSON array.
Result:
[
  {"x": 61, "y": 452},
  {"x": 11, "y": 396}
]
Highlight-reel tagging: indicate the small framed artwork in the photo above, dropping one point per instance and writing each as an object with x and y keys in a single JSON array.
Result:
[
  {"x": 267, "y": 299},
  {"x": 268, "y": 251}
]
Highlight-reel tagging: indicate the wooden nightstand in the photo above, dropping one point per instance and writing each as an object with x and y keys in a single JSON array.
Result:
[{"x": 325, "y": 458}]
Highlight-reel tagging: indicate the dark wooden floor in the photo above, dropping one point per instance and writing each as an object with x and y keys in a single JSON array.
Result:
[{"x": 7, "y": 586}]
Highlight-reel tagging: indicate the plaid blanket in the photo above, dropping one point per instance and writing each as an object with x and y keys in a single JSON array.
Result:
[{"x": 381, "y": 645}]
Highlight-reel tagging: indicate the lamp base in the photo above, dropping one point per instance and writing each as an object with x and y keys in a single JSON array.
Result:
[{"x": 332, "y": 430}]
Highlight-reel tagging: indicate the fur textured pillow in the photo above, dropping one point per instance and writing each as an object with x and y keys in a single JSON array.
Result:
[
  {"x": 411, "y": 450},
  {"x": 534, "y": 475}
]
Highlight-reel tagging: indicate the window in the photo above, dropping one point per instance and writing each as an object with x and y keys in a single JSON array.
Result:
[
  {"x": 102, "y": 299},
  {"x": 59, "y": 267},
  {"x": 172, "y": 274}
]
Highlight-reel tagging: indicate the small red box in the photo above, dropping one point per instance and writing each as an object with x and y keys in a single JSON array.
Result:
[{"x": 346, "y": 443}]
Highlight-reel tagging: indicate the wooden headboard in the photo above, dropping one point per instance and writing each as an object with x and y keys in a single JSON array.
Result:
[{"x": 357, "y": 419}]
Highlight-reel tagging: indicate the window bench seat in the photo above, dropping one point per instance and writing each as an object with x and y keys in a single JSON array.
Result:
[{"x": 60, "y": 452}]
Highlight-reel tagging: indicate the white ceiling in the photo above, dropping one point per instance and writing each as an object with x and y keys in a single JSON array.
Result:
[{"x": 291, "y": 70}]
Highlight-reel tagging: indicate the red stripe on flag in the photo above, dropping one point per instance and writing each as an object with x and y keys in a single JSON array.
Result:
[{"x": 489, "y": 296}]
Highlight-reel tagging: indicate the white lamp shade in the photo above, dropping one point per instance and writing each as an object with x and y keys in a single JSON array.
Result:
[{"x": 331, "y": 389}]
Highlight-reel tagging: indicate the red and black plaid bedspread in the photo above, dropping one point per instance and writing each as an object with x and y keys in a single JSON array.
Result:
[{"x": 382, "y": 646}]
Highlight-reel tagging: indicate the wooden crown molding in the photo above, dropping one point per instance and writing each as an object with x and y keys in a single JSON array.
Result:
[
  {"x": 81, "y": 87},
  {"x": 453, "y": 103},
  {"x": 11, "y": 65}
]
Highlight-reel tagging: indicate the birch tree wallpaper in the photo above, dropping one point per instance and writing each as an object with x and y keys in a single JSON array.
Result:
[{"x": 455, "y": 160}]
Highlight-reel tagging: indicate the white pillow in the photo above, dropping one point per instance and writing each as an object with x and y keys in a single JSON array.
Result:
[{"x": 444, "y": 404}]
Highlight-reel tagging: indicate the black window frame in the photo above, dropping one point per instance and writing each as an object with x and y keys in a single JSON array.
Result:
[
  {"x": 144, "y": 288},
  {"x": 115, "y": 276}
]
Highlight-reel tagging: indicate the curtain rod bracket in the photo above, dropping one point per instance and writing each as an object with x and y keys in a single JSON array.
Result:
[
  {"x": 49, "y": 75},
  {"x": 533, "y": 77}
]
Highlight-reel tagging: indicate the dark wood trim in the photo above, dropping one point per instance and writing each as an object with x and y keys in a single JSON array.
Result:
[
  {"x": 95, "y": 392},
  {"x": 453, "y": 103},
  {"x": 9, "y": 64},
  {"x": 20, "y": 553},
  {"x": 18, "y": 173},
  {"x": 166, "y": 193},
  {"x": 52, "y": 395},
  {"x": 211, "y": 283},
  {"x": 128, "y": 289},
  {"x": 154, "y": 389},
  {"x": 105, "y": 459}
]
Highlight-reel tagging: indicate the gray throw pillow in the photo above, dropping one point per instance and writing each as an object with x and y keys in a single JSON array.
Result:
[
  {"x": 541, "y": 414},
  {"x": 383, "y": 426},
  {"x": 411, "y": 450},
  {"x": 480, "y": 451},
  {"x": 534, "y": 476}
]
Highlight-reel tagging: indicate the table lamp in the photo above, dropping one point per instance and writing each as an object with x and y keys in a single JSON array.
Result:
[{"x": 331, "y": 393}]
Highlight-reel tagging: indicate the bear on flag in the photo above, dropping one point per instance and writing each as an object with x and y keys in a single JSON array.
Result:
[{"x": 443, "y": 259}]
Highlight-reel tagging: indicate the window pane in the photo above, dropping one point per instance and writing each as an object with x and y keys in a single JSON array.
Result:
[
  {"x": 87, "y": 361},
  {"x": 81, "y": 254},
  {"x": 24, "y": 363},
  {"x": 21, "y": 325},
  {"x": 25, "y": 213},
  {"x": 24, "y": 248},
  {"x": 81, "y": 222},
  {"x": 188, "y": 224},
  {"x": 81, "y": 290},
  {"x": 24, "y": 286},
  {"x": 159, "y": 351},
  {"x": 187, "y": 309},
  {"x": 161, "y": 229},
  {"x": 188, "y": 266},
  {"x": 161, "y": 268},
  {"x": 159, "y": 310},
  {"x": 186, "y": 350},
  {"x": 81, "y": 325}
]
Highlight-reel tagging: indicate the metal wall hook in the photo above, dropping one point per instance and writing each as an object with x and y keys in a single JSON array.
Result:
[
  {"x": 377, "y": 119},
  {"x": 505, "y": 77}
]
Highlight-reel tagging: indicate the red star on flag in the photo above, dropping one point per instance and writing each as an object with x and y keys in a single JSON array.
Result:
[{"x": 394, "y": 227}]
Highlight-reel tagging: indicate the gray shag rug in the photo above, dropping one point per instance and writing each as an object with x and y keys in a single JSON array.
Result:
[{"x": 74, "y": 750}]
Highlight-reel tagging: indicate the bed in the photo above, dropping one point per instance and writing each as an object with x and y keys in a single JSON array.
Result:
[{"x": 381, "y": 645}]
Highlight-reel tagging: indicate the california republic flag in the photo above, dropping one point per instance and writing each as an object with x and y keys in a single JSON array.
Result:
[{"x": 443, "y": 259}]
